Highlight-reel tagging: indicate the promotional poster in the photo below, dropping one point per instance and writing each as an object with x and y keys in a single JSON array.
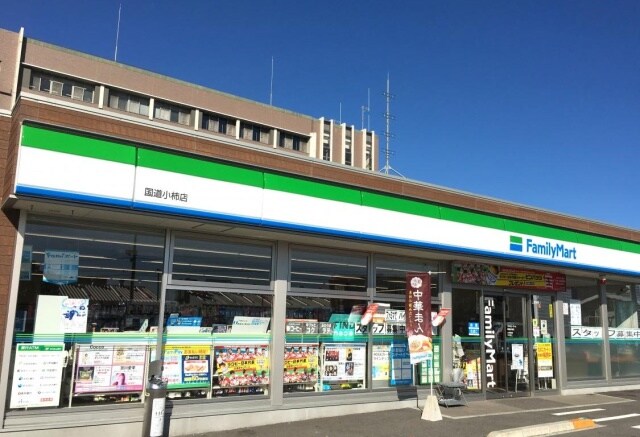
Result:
[
  {"x": 343, "y": 362},
  {"x": 102, "y": 369},
  {"x": 301, "y": 363},
  {"x": 187, "y": 366},
  {"x": 37, "y": 375},
  {"x": 241, "y": 369}
]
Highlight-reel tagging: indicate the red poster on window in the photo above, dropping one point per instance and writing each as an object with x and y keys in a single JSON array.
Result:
[{"x": 418, "y": 316}]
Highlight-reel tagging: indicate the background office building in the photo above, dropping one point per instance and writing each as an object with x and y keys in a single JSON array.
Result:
[{"x": 144, "y": 216}]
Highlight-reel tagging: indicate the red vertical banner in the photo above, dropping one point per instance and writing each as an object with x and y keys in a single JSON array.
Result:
[{"x": 418, "y": 316}]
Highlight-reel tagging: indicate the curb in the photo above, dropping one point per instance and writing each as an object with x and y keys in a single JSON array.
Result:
[{"x": 545, "y": 429}]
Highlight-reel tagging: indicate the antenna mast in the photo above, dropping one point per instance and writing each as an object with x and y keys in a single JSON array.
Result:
[
  {"x": 366, "y": 110},
  {"x": 271, "y": 86},
  {"x": 115, "y": 55},
  {"x": 387, "y": 133}
]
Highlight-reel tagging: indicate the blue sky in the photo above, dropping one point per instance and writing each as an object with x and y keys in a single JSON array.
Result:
[{"x": 532, "y": 102}]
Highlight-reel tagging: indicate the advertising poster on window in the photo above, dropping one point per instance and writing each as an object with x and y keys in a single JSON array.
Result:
[
  {"x": 103, "y": 369},
  {"x": 544, "y": 353},
  {"x": 381, "y": 362},
  {"x": 301, "y": 364},
  {"x": 418, "y": 316},
  {"x": 186, "y": 367},
  {"x": 241, "y": 369},
  {"x": 25, "y": 263},
  {"x": 401, "y": 369},
  {"x": 485, "y": 274},
  {"x": 517, "y": 356},
  {"x": 575, "y": 307},
  {"x": 37, "y": 375},
  {"x": 60, "y": 267},
  {"x": 429, "y": 374},
  {"x": 343, "y": 362},
  {"x": 301, "y": 326},
  {"x": 73, "y": 315},
  {"x": 250, "y": 325},
  {"x": 472, "y": 374}
]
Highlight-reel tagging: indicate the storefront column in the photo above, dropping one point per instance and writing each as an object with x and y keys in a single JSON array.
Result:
[
  {"x": 278, "y": 317},
  {"x": 604, "y": 316},
  {"x": 11, "y": 311},
  {"x": 561, "y": 351},
  {"x": 162, "y": 302},
  {"x": 446, "y": 330}
]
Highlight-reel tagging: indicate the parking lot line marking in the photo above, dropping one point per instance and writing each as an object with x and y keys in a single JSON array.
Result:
[
  {"x": 566, "y": 413},
  {"x": 625, "y": 416},
  {"x": 636, "y": 427}
]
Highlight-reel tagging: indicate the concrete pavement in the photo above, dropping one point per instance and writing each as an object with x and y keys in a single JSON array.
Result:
[{"x": 477, "y": 418}]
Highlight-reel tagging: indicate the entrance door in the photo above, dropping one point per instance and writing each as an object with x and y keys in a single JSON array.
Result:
[{"x": 506, "y": 346}]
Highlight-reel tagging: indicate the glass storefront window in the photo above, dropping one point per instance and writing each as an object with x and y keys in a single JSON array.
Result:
[
  {"x": 624, "y": 332},
  {"x": 217, "y": 344},
  {"x": 583, "y": 330},
  {"x": 204, "y": 260},
  {"x": 391, "y": 275},
  {"x": 467, "y": 340},
  {"x": 88, "y": 291},
  {"x": 314, "y": 269},
  {"x": 325, "y": 345}
]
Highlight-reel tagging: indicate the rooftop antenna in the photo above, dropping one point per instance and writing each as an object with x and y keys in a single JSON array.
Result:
[
  {"x": 366, "y": 109},
  {"x": 271, "y": 87},
  {"x": 387, "y": 133},
  {"x": 340, "y": 114},
  {"x": 115, "y": 55}
]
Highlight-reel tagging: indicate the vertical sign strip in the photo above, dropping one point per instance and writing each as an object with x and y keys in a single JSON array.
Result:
[{"x": 418, "y": 316}]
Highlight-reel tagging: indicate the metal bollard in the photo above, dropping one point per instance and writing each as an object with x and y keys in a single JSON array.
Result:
[{"x": 154, "y": 399}]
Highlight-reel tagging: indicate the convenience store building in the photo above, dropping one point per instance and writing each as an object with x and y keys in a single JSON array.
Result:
[{"x": 145, "y": 216}]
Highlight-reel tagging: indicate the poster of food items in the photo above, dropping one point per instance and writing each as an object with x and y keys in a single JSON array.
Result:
[
  {"x": 343, "y": 362},
  {"x": 240, "y": 369},
  {"x": 37, "y": 375},
  {"x": 187, "y": 366},
  {"x": 301, "y": 364},
  {"x": 105, "y": 368}
]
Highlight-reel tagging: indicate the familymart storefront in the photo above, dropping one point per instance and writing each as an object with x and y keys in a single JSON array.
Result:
[{"x": 251, "y": 285}]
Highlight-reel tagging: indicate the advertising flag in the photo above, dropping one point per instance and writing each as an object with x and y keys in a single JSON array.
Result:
[{"x": 418, "y": 316}]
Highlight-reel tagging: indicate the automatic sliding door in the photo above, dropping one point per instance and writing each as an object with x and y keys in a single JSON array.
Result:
[{"x": 506, "y": 346}]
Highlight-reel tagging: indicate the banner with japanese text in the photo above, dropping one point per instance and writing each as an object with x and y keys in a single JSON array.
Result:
[
  {"x": 485, "y": 274},
  {"x": 418, "y": 316}
]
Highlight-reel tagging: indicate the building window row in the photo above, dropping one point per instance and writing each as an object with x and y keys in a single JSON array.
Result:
[
  {"x": 292, "y": 142},
  {"x": 218, "y": 124},
  {"x": 172, "y": 113},
  {"x": 62, "y": 86},
  {"x": 254, "y": 132},
  {"x": 131, "y": 103}
]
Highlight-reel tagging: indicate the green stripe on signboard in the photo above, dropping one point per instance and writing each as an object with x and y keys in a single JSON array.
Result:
[
  {"x": 305, "y": 187},
  {"x": 197, "y": 167},
  {"x": 472, "y": 218},
  {"x": 399, "y": 204},
  {"x": 64, "y": 142}
]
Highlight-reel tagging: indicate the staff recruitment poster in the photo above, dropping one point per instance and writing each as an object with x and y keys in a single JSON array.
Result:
[{"x": 418, "y": 316}]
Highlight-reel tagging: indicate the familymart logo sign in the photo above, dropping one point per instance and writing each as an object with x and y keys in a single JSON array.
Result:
[{"x": 542, "y": 247}]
